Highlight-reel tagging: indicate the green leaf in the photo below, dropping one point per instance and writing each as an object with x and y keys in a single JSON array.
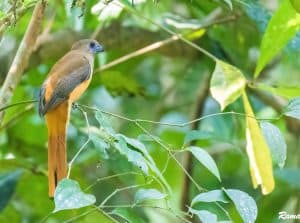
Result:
[
  {"x": 135, "y": 143},
  {"x": 134, "y": 157},
  {"x": 204, "y": 216},
  {"x": 283, "y": 26},
  {"x": 227, "y": 83},
  {"x": 148, "y": 194},
  {"x": 275, "y": 141},
  {"x": 258, "y": 152},
  {"x": 128, "y": 214},
  {"x": 293, "y": 108},
  {"x": 206, "y": 160},
  {"x": 197, "y": 135},
  {"x": 8, "y": 182},
  {"x": 296, "y": 5},
  {"x": 244, "y": 204},
  {"x": 286, "y": 92},
  {"x": 104, "y": 122},
  {"x": 68, "y": 195},
  {"x": 210, "y": 196}
]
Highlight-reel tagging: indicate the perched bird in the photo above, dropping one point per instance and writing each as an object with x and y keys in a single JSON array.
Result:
[{"x": 65, "y": 83}]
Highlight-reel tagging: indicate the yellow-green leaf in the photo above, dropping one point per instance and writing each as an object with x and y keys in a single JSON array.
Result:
[
  {"x": 286, "y": 92},
  {"x": 227, "y": 83},
  {"x": 260, "y": 160},
  {"x": 283, "y": 26},
  {"x": 296, "y": 5}
]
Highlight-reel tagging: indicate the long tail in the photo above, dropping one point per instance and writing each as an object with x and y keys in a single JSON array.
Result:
[{"x": 57, "y": 120}]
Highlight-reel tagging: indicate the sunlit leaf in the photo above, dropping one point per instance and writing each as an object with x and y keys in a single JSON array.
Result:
[
  {"x": 293, "y": 108},
  {"x": 244, "y": 204},
  {"x": 206, "y": 160},
  {"x": 210, "y": 196},
  {"x": 259, "y": 155},
  {"x": 148, "y": 194},
  {"x": 8, "y": 182},
  {"x": 296, "y": 5},
  {"x": 134, "y": 157},
  {"x": 275, "y": 141},
  {"x": 68, "y": 195},
  {"x": 205, "y": 216},
  {"x": 128, "y": 214},
  {"x": 227, "y": 83},
  {"x": 197, "y": 135},
  {"x": 283, "y": 26}
]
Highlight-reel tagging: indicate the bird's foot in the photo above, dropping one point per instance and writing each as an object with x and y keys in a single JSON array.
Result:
[{"x": 75, "y": 106}]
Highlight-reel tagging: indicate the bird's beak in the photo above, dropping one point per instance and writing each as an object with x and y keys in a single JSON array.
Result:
[{"x": 99, "y": 48}]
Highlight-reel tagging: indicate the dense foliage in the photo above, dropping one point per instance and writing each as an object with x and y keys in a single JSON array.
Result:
[{"x": 192, "y": 114}]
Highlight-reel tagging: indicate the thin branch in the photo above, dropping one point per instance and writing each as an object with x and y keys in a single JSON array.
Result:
[
  {"x": 133, "y": 11},
  {"x": 83, "y": 146},
  {"x": 159, "y": 44},
  {"x": 188, "y": 157},
  {"x": 171, "y": 155},
  {"x": 17, "y": 104},
  {"x": 184, "y": 124},
  {"x": 16, "y": 117},
  {"x": 22, "y": 56},
  {"x": 110, "y": 177},
  {"x": 167, "y": 209},
  {"x": 120, "y": 190}
]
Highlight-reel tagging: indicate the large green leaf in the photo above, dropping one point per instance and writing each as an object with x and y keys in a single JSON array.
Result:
[
  {"x": 206, "y": 160},
  {"x": 275, "y": 141},
  {"x": 244, "y": 204},
  {"x": 197, "y": 135},
  {"x": 260, "y": 160},
  {"x": 8, "y": 182},
  {"x": 283, "y": 26},
  {"x": 68, "y": 195},
  {"x": 148, "y": 194},
  {"x": 205, "y": 216},
  {"x": 134, "y": 157},
  {"x": 227, "y": 83},
  {"x": 210, "y": 196}
]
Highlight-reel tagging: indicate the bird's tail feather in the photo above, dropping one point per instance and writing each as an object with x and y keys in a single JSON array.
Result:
[{"x": 57, "y": 149}]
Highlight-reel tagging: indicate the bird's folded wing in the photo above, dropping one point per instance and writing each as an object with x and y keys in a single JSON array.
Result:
[{"x": 65, "y": 76}]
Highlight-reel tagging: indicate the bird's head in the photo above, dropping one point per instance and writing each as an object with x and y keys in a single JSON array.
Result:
[{"x": 88, "y": 45}]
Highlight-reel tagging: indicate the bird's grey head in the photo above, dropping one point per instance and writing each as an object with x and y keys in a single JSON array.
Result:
[{"x": 88, "y": 45}]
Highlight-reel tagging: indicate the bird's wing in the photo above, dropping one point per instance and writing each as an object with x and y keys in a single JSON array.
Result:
[{"x": 65, "y": 76}]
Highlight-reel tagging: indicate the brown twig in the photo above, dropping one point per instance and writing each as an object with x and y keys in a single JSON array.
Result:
[
  {"x": 188, "y": 159},
  {"x": 22, "y": 56}
]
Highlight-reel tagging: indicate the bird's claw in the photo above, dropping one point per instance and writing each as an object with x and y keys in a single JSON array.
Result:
[{"x": 75, "y": 106}]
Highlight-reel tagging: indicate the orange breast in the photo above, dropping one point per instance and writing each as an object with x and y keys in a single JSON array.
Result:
[{"x": 78, "y": 91}]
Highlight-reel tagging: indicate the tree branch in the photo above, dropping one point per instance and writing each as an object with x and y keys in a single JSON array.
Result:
[{"x": 22, "y": 56}]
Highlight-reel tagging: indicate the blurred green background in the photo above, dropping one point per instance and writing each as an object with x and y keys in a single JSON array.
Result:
[{"x": 169, "y": 84}]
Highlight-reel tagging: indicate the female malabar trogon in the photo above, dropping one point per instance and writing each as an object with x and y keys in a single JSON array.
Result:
[{"x": 65, "y": 83}]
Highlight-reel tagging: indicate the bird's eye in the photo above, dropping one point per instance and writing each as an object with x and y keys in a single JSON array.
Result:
[{"x": 92, "y": 45}]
